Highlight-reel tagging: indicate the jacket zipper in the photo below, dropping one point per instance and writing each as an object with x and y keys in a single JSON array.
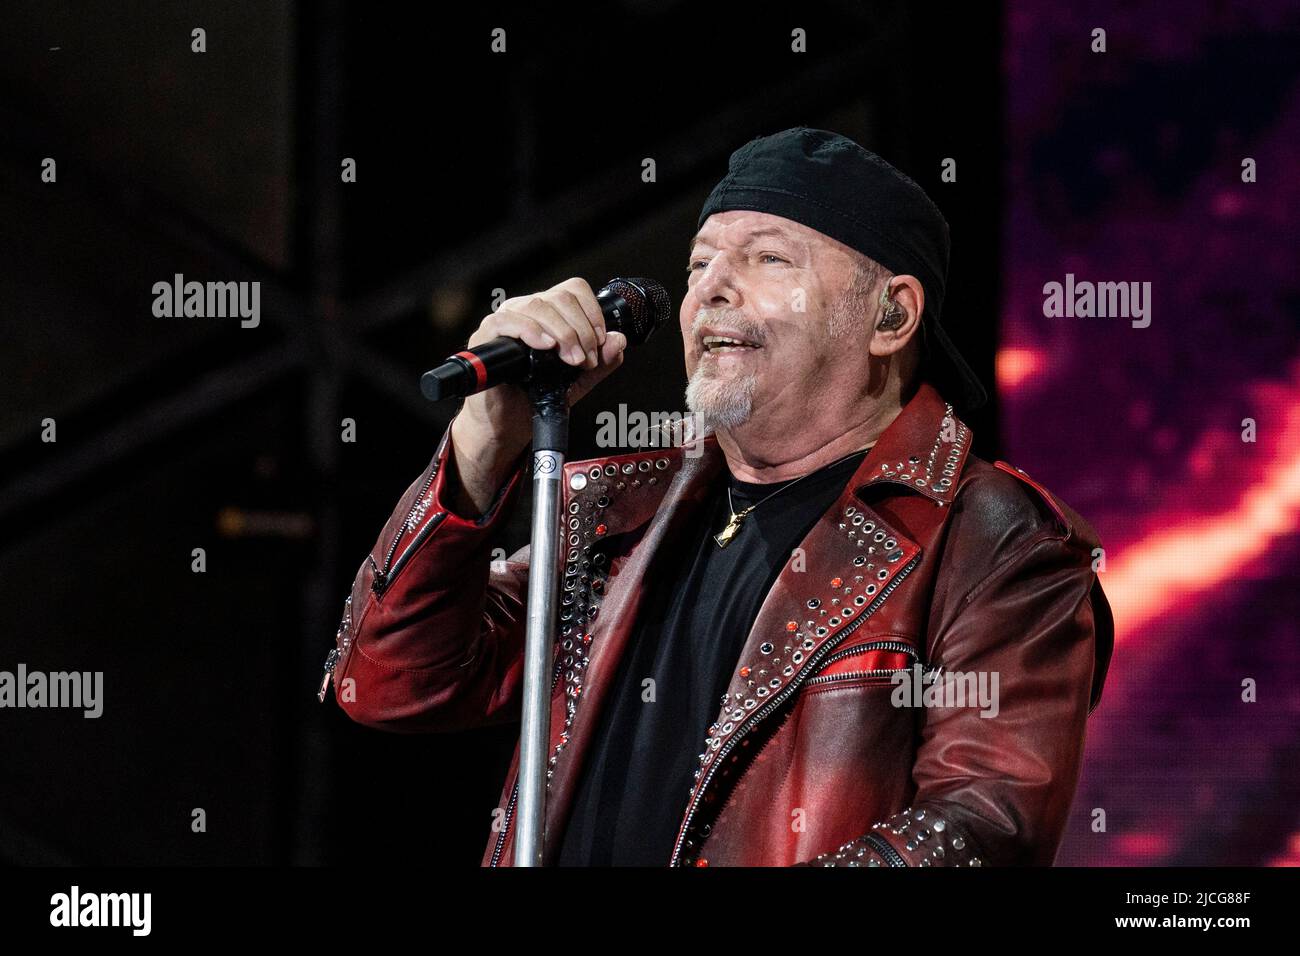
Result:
[
  {"x": 336, "y": 652},
  {"x": 384, "y": 577},
  {"x": 898, "y": 646},
  {"x": 330, "y": 663},
  {"x": 505, "y": 826},
  {"x": 854, "y": 675},
  {"x": 779, "y": 699},
  {"x": 885, "y": 849}
]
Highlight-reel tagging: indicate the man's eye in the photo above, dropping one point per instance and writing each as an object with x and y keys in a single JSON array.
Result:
[
  {"x": 771, "y": 255},
  {"x": 697, "y": 262}
]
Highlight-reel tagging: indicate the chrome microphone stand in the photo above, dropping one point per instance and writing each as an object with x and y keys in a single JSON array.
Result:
[{"x": 547, "y": 389}]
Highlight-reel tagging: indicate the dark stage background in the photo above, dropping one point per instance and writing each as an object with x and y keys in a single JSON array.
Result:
[{"x": 478, "y": 171}]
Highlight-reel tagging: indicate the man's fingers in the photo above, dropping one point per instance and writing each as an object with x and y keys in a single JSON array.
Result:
[
  {"x": 541, "y": 328},
  {"x": 522, "y": 327},
  {"x": 557, "y": 318},
  {"x": 615, "y": 343},
  {"x": 579, "y": 293},
  {"x": 566, "y": 318}
]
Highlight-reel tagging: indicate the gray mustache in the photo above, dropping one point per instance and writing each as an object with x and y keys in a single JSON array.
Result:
[{"x": 731, "y": 319}]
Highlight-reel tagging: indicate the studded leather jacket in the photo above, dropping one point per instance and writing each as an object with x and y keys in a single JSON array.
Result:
[{"x": 843, "y": 738}]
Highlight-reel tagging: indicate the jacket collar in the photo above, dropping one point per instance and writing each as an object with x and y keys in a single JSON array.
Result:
[{"x": 923, "y": 449}]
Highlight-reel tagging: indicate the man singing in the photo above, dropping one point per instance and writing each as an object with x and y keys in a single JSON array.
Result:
[{"x": 822, "y": 632}]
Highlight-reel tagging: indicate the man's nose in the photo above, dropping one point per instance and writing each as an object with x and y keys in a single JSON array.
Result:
[{"x": 716, "y": 286}]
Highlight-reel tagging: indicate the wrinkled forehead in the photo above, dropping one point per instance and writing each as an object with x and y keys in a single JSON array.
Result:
[{"x": 737, "y": 228}]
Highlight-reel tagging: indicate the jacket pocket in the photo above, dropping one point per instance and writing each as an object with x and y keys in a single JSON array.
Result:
[{"x": 866, "y": 662}]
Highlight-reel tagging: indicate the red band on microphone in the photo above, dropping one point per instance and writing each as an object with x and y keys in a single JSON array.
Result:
[{"x": 476, "y": 363}]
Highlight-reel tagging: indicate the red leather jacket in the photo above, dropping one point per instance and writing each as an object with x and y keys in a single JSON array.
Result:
[{"x": 931, "y": 558}]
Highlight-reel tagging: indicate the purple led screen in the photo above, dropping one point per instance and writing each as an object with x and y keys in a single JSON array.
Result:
[{"x": 1156, "y": 389}]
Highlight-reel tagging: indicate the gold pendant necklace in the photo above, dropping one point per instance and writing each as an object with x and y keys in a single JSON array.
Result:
[
  {"x": 733, "y": 523},
  {"x": 723, "y": 537}
]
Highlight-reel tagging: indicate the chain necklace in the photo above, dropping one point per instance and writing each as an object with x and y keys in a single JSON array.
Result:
[{"x": 723, "y": 538}]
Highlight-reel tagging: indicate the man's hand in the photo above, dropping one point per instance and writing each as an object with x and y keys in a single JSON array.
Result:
[{"x": 494, "y": 426}]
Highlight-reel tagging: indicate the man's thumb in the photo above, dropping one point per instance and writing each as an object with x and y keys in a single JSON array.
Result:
[{"x": 615, "y": 342}]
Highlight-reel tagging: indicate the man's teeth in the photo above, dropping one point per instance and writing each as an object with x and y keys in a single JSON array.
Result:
[{"x": 720, "y": 342}]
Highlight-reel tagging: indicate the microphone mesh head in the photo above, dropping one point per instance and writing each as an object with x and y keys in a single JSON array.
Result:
[{"x": 648, "y": 306}]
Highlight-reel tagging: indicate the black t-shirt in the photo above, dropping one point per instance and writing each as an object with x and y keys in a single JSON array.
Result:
[{"x": 638, "y": 775}]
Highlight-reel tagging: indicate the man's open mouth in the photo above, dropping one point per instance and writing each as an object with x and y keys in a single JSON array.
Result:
[{"x": 723, "y": 343}]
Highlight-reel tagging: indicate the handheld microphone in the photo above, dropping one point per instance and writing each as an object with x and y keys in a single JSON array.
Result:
[{"x": 635, "y": 307}]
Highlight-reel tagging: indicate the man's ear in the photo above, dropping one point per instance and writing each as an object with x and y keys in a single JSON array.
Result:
[{"x": 906, "y": 293}]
